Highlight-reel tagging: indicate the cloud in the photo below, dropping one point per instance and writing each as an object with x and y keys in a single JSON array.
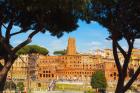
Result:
[
  {"x": 91, "y": 46},
  {"x": 56, "y": 44},
  {"x": 107, "y": 41},
  {"x": 137, "y": 43},
  {"x": 94, "y": 43}
]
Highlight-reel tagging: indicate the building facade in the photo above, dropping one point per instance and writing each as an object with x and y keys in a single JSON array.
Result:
[{"x": 72, "y": 66}]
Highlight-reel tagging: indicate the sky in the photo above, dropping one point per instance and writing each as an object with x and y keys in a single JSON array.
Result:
[{"x": 89, "y": 37}]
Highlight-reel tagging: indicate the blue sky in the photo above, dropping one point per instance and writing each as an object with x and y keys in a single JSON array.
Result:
[{"x": 88, "y": 37}]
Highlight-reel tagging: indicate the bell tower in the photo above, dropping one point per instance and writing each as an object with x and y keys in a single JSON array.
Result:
[{"x": 71, "y": 48}]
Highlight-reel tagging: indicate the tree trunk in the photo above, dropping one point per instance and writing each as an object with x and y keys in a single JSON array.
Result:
[
  {"x": 120, "y": 86},
  {"x": 121, "y": 78},
  {"x": 97, "y": 90},
  {"x": 2, "y": 83},
  {"x": 4, "y": 72},
  {"x": 122, "y": 70}
]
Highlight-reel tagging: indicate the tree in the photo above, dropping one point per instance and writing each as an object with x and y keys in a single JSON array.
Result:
[
  {"x": 10, "y": 85},
  {"x": 29, "y": 49},
  {"x": 34, "y": 16},
  {"x": 121, "y": 18},
  {"x": 60, "y": 52},
  {"x": 98, "y": 80},
  {"x": 20, "y": 86}
]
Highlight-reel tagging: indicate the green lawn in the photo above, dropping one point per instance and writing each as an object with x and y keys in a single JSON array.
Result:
[{"x": 73, "y": 87}]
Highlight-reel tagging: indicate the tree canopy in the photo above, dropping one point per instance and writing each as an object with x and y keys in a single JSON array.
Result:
[
  {"x": 98, "y": 80},
  {"x": 59, "y": 52},
  {"x": 33, "y": 49},
  {"x": 43, "y": 15},
  {"x": 57, "y": 17},
  {"x": 33, "y": 17},
  {"x": 121, "y": 18}
]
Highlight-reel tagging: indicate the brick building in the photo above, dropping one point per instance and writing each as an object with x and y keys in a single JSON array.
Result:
[{"x": 71, "y": 66}]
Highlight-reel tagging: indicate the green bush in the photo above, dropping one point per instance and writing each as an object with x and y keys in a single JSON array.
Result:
[
  {"x": 10, "y": 85},
  {"x": 20, "y": 86},
  {"x": 98, "y": 80}
]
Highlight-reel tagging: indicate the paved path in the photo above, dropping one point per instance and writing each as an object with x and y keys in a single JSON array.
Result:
[{"x": 59, "y": 92}]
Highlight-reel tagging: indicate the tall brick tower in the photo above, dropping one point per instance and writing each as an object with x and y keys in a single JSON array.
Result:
[{"x": 71, "y": 48}]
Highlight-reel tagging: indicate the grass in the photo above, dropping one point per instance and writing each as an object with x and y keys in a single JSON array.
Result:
[{"x": 73, "y": 87}]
